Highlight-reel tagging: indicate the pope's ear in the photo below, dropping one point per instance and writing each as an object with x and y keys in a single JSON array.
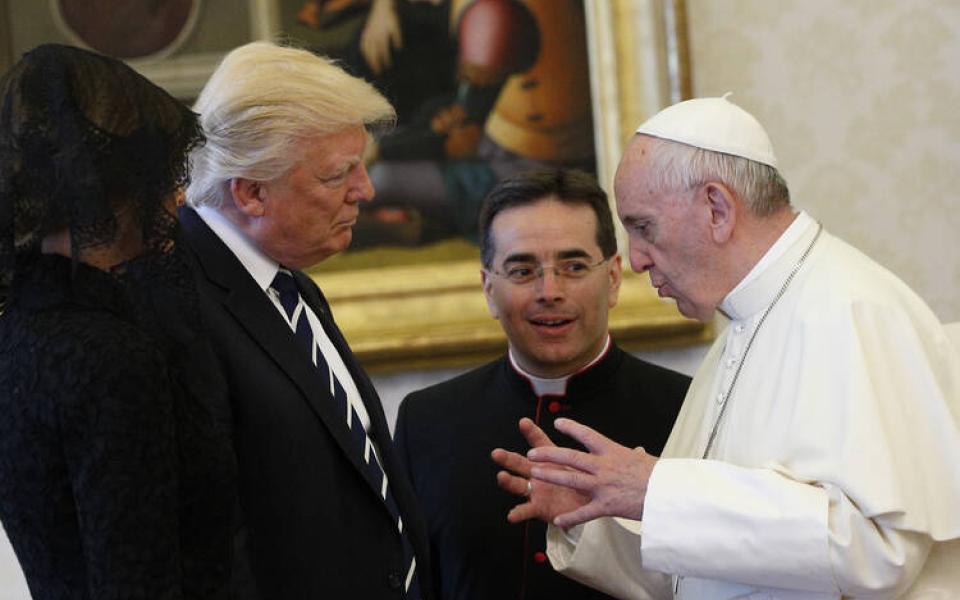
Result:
[
  {"x": 723, "y": 211},
  {"x": 248, "y": 196},
  {"x": 487, "y": 283}
]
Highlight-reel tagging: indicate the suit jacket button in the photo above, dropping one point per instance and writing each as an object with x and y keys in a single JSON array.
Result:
[{"x": 395, "y": 579}]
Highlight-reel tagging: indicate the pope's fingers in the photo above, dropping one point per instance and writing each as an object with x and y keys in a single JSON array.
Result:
[
  {"x": 533, "y": 434},
  {"x": 564, "y": 456},
  {"x": 593, "y": 440},
  {"x": 587, "y": 512},
  {"x": 566, "y": 478}
]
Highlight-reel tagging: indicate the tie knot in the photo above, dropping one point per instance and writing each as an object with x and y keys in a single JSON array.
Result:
[{"x": 284, "y": 283}]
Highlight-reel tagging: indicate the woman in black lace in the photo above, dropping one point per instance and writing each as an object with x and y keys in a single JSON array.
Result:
[{"x": 116, "y": 471}]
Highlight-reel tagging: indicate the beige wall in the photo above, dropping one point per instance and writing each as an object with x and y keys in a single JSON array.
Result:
[{"x": 862, "y": 100}]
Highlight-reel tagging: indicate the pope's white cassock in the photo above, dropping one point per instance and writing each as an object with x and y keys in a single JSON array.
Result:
[{"x": 835, "y": 472}]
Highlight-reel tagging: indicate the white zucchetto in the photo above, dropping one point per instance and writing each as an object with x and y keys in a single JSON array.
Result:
[{"x": 713, "y": 124}]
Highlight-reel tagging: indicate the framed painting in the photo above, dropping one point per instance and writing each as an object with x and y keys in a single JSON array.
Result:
[
  {"x": 177, "y": 43},
  {"x": 409, "y": 300}
]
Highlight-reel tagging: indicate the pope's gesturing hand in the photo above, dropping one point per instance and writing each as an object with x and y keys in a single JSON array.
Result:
[
  {"x": 544, "y": 501},
  {"x": 568, "y": 487}
]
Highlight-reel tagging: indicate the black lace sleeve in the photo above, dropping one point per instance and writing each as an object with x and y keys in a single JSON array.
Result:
[
  {"x": 88, "y": 472},
  {"x": 116, "y": 420}
]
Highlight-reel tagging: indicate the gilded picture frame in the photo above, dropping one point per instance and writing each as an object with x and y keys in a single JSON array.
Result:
[{"x": 433, "y": 314}]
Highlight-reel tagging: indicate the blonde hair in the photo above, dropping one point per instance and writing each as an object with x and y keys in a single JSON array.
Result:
[{"x": 262, "y": 100}]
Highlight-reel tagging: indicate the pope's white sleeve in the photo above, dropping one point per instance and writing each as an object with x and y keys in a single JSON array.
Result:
[
  {"x": 714, "y": 520},
  {"x": 599, "y": 555},
  {"x": 870, "y": 558}
]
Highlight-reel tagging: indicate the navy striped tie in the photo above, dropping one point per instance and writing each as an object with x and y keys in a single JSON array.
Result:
[{"x": 286, "y": 287}]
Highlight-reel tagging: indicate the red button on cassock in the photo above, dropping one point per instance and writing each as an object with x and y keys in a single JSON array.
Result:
[
  {"x": 539, "y": 557},
  {"x": 554, "y": 407}
]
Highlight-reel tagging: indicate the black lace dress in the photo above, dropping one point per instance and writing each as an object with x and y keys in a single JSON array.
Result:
[{"x": 116, "y": 475}]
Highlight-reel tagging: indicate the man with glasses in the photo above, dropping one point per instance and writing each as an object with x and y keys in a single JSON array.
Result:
[{"x": 550, "y": 274}]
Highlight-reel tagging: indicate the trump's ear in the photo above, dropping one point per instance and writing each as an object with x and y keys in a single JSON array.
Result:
[
  {"x": 487, "y": 283},
  {"x": 723, "y": 211},
  {"x": 248, "y": 196}
]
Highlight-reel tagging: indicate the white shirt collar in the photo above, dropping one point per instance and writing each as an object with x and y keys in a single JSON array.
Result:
[
  {"x": 260, "y": 266},
  {"x": 557, "y": 386},
  {"x": 756, "y": 290}
]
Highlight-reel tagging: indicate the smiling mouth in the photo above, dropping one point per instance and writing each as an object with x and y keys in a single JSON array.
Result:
[{"x": 552, "y": 323}]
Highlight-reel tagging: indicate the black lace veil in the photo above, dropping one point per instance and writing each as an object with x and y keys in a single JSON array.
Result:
[{"x": 83, "y": 138}]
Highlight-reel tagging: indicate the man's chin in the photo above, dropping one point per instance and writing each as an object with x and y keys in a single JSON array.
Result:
[
  {"x": 338, "y": 242},
  {"x": 556, "y": 362},
  {"x": 316, "y": 258},
  {"x": 692, "y": 312}
]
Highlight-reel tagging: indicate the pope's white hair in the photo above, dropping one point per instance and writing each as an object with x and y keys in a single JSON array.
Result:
[
  {"x": 677, "y": 166},
  {"x": 263, "y": 100}
]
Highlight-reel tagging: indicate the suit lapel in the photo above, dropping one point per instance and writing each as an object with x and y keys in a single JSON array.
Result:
[
  {"x": 379, "y": 431},
  {"x": 254, "y": 312},
  {"x": 368, "y": 393}
]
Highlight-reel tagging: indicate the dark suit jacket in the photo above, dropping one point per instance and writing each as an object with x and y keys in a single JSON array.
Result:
[
  {"x": 445, "y": 434},
  {"x": 312, "y": 524}
]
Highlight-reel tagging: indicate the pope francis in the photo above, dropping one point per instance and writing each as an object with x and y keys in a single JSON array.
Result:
[{"x": 817, "y": 453}]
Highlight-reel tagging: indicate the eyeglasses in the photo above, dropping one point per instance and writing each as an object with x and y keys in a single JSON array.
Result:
[{"x": 522, "y": 273}]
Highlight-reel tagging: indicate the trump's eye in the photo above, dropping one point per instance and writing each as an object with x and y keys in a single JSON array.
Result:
[{"x": 334, "y": 180}]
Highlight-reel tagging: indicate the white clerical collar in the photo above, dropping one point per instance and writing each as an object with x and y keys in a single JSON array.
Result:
[
  {"x": 756, "y": 290},
  {"x": 260, "y": 266},
  {"x": 558, "y": 386}
]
